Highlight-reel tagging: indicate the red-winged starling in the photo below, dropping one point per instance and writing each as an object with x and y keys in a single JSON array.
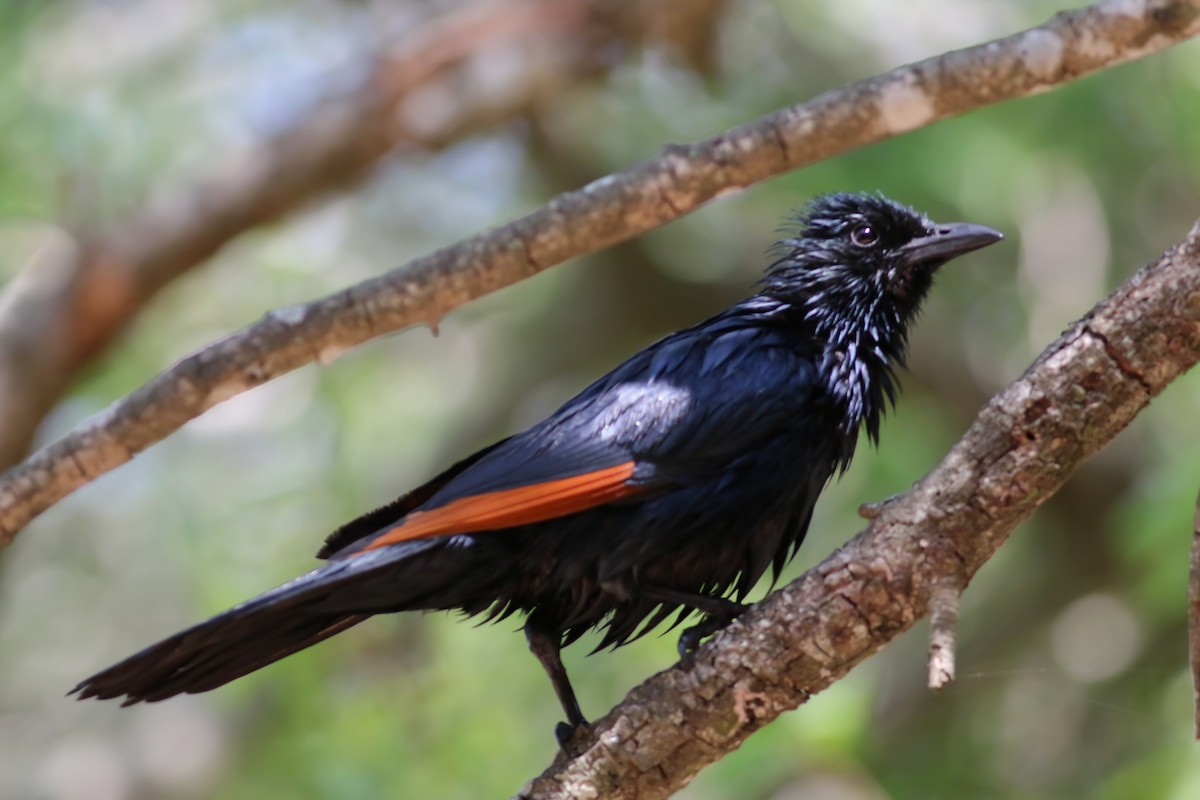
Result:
[{"x": 670, "y": 485}]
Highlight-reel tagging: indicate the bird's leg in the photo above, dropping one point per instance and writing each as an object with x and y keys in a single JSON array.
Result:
[
  {"x": 718, "y": 613},
  {"x": 546, "y": 644}
]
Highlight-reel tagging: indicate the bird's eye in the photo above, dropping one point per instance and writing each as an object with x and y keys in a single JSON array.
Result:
[{"x": 864, "y": 235}]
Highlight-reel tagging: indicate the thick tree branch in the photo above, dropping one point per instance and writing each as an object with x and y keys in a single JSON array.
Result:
[
  {"x": 1080, "y": 393},
  {"x": 72, "y": 302},
  {"x": 603, "y": 213}
]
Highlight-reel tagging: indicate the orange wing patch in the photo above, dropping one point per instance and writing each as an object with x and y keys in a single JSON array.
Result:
[{"x": 509, "y": 507}]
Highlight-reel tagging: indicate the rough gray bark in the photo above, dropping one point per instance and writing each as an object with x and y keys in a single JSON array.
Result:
[
  {"x": 607, "y": 211},
  {"x": 1080, "y": 393}
]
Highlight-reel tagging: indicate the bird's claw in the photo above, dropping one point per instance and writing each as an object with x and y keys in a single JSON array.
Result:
[
  {"x": 565, "y": 733},
  {"x": 689, "y": 643},
  {"x": 691, "y": 638}
]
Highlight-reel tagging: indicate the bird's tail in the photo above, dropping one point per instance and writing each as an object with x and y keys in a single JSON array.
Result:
[{"x": 282, "y": 621}]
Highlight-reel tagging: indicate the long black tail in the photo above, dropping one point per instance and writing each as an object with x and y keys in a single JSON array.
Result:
[{"x": 289, "y": 618}]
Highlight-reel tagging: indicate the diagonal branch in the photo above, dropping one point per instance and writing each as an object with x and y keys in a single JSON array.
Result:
[
  {"x": 68, "y": 305},
  {"x": 607, "y": 211},
  {"x": 1080, "y": 393}
]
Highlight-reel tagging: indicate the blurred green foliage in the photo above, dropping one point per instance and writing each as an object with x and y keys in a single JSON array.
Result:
[{"x": 1072, "y": 661}]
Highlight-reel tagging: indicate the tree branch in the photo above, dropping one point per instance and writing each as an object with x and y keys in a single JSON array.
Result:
[
  {"x": 1083, "y": 390},
  {"x": 68, "y": 305},
  {"x": 607, "y": 211}
]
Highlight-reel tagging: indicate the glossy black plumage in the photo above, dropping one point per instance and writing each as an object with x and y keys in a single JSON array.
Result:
[{"x": 670, "y": 484}]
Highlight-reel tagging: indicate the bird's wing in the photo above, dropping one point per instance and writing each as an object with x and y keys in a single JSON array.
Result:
[
  {"x": 679, "y": 407},
  {"x": 533, "y": 476}
]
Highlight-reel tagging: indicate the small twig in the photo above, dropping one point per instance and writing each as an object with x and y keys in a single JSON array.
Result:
[
  {"x": 607, "y": 211},
  {"x": 943, "y": 621},
  {"x": 1194, "y": 614},
  {"x": 872, "y": 509}
]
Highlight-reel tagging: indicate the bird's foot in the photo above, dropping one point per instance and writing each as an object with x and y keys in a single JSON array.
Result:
[
  {"x": 568, "y": 735},
  {"x": 691, "y": 638}
]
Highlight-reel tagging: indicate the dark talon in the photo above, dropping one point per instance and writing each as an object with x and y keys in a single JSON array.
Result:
[
  {"x": 571, "y": 738},
  {"x": 689, "y": 642},
  {"x": 718, "y": 613},
  {"x": 564, "y": 732},
  {"x": 691, "y": 638}
]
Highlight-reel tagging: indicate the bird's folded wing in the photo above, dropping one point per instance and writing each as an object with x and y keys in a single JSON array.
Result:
[
  {"x": 679, "y": 410},
  {"x": 520, "y": 505}
]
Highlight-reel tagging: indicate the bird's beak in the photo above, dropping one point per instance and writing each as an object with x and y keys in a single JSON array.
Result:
[{"x": 947, "y": 242}]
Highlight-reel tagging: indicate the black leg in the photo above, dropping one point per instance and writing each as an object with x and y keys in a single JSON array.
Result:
[
  {"x": 545, "y": 645},
  {"x": 718, "y": 613}
]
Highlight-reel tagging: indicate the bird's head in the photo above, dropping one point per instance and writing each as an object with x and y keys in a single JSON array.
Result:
[
  {"x": 856, "y": 255},
  {"x": 854, "y": 274}
]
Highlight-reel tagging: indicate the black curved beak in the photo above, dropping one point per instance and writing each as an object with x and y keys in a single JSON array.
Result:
[{"x": 947, "y": 242}]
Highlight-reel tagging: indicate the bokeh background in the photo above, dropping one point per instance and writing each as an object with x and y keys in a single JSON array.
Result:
[{"x": 1073, "y": 678}]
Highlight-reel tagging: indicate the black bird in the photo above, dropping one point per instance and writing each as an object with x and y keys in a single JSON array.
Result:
[{"x": 668, "y": 486}]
